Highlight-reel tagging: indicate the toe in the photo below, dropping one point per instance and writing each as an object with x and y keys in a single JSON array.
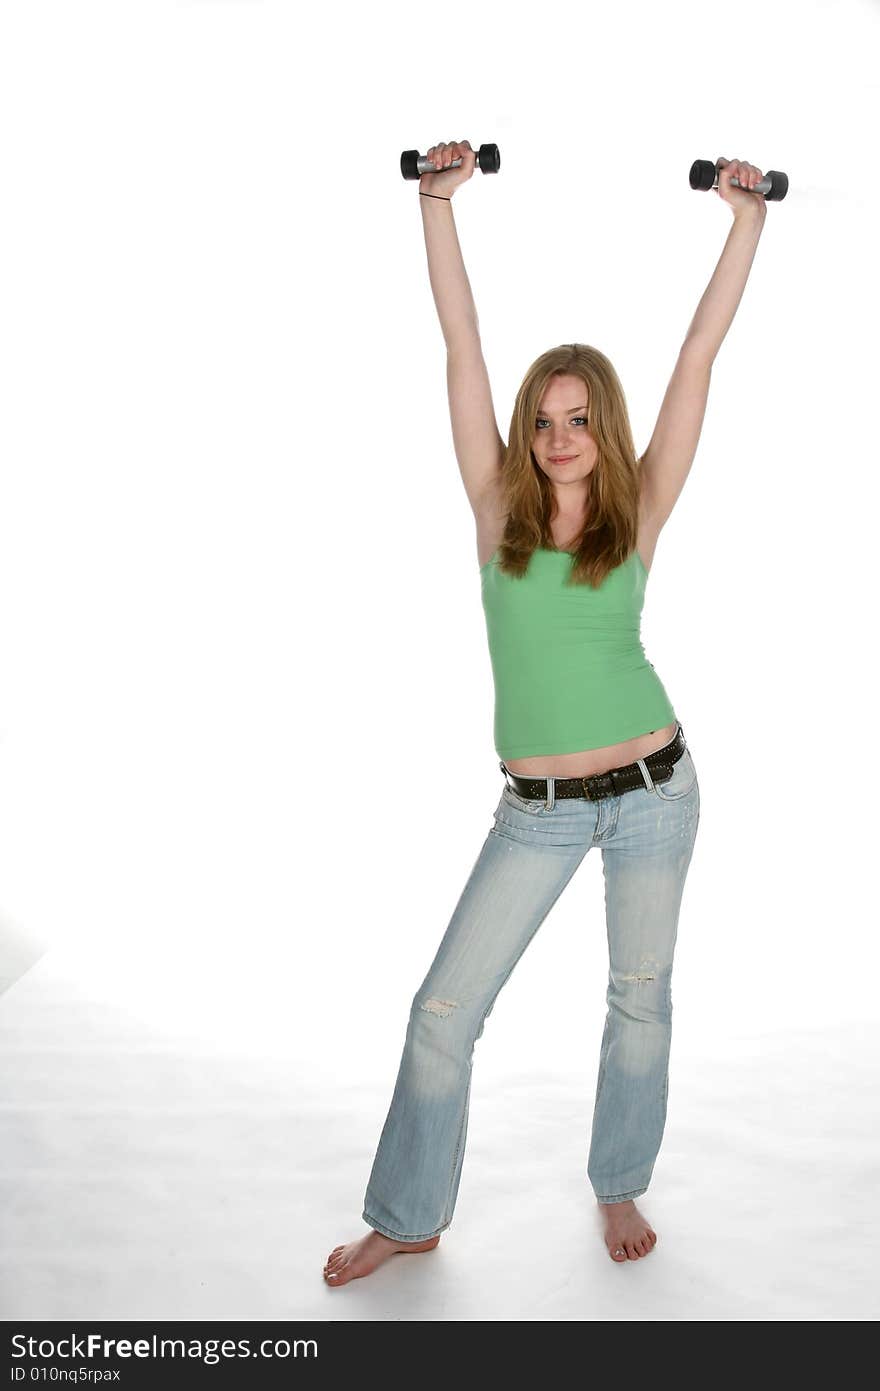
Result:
[{"x": 618, "y": 1253}]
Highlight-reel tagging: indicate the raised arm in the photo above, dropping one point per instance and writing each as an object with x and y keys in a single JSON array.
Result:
[
  {"x": 667, "y": 461},
  {"x": 479, "y": 446}
]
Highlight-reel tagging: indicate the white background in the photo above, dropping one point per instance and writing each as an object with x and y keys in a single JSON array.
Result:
[{"x": 246, "y": 757}]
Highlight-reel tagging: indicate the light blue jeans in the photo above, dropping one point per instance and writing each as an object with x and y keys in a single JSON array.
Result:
[{"x": 647, "y": 837}]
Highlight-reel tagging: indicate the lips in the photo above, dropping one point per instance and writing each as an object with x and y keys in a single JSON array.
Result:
[{"x": 561, "y": 458}]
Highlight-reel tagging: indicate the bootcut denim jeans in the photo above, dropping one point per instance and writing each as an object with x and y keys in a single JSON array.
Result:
[{"x": 647, "y": 837}]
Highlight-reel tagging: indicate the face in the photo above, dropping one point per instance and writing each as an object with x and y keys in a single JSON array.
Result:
[{"x": 561, "y": 428}]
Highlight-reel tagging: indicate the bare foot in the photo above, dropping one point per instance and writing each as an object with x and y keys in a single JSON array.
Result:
[
  {"x": 362, "y": 1257},
  {"x": 627, "y": 1233}
]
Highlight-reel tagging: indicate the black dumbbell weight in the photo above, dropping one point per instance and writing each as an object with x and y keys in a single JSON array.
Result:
[
  {"x": 704, "y": 176},
  {"x": 413, "y": 165}
]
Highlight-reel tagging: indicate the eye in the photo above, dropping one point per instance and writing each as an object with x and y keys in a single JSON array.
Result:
[{"x": 542, "y": 420}]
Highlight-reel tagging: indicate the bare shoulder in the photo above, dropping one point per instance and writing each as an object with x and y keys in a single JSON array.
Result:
[{"x": 490, "y": 519}]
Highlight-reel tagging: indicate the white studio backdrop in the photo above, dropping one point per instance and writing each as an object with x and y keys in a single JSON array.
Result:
[{"x": 246, "y": 757}]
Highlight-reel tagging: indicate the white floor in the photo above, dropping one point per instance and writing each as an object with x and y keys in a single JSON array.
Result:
[{"x": 151, "y": 1179}]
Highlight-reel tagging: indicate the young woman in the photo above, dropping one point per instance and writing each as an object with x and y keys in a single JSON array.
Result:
[{"x": 567, "y": 520}]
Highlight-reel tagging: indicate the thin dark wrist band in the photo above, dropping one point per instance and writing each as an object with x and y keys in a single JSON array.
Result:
[{"x": 434, "y": 195}]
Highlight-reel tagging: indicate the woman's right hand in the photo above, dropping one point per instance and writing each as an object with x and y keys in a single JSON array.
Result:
[{"x": 446, "y": 182}]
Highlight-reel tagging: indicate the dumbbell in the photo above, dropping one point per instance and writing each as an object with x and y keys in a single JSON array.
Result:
[
  {"x": 413, "y": 165},
  {"x": 704, "y": 175}
]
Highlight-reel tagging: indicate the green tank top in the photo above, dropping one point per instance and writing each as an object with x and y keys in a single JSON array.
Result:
[{"x": 568, "y": 664}]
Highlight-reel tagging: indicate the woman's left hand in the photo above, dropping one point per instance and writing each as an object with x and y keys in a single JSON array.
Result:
[{"x": 748, "y": 175}]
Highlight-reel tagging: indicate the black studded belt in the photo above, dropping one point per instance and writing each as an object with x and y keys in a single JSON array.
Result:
[{"x": 597, "y": 785}]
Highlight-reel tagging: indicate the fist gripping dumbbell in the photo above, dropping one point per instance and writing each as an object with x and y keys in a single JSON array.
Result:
[
  {"x": 704, "y": 176},
  {"x": 413, "y": 165}
]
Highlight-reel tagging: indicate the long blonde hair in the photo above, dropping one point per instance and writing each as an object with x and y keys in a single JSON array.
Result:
[{"x": 613, "y": 488}]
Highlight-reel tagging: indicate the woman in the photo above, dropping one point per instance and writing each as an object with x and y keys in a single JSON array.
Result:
[{"x": 592, "y": 751}]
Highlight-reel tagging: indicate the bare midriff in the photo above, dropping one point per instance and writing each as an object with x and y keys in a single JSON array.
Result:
[{"x": 589, "y": 761}]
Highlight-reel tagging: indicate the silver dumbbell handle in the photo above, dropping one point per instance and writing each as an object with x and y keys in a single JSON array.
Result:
[
  {"x": 763, "y": 186},
  {"x": 425, "y": 166}
]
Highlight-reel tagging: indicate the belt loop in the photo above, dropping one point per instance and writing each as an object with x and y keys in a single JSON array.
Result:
[
  {"x": 551, "y": 794},
  {"x": 646, "y": 776}
]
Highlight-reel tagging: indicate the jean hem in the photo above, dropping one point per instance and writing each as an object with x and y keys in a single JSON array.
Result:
[
  {"x": 623, "y": 1197},
  {"x": 401, "y": 1236}
]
